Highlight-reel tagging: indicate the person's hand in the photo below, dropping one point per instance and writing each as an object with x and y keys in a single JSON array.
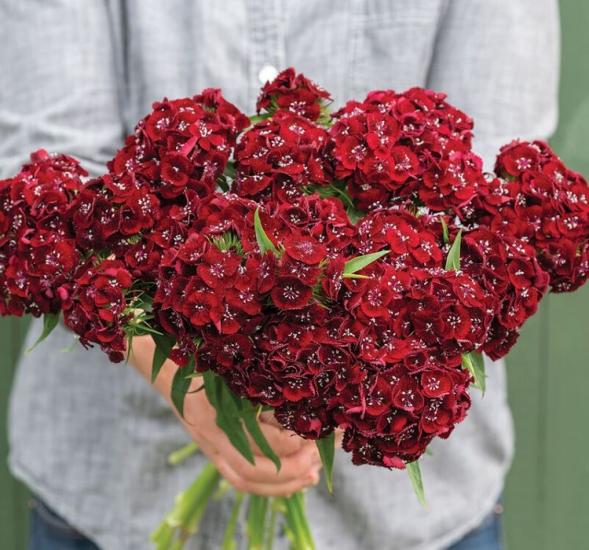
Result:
[{"x": 300, "y": 461}]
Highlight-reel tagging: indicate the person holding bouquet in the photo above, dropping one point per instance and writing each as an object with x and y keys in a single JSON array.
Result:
[{"x": 90, "y": 439}]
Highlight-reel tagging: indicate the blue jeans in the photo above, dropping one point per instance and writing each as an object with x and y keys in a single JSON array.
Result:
[
  {"x": 48, "y": 531},
  {"x": 487, "y": 536}
]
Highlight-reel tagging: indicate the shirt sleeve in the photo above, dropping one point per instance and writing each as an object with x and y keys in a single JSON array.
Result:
[
  {"x": 59, "y": 88},
  {"x": 498, "y": 60}
]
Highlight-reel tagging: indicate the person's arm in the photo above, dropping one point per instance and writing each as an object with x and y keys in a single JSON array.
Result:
[
  {"x": 498, "y": 60},
  {"x": 58, "y": 87},
  {"x": 59, "y": 90},
  {"x": 300, "y": 462}
]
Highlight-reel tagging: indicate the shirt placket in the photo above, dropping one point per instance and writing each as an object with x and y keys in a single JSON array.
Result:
[{"x": 267, "y": 55}]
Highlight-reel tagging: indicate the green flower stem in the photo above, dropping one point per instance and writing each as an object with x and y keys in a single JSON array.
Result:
[
  {"x": 302, "y": 512},
  {"x": 195, "y": 497},
  {"x": 296, "y": 520},
  {"x": 229, "y": 537},
  {"x": 223, "y": 488},
  {"x": 162, "y": 537},
  {"x": 274, "y": 507},
  {"x": 185, "y": 516},
  {"x": 256, "y": 521},
  {"x": 190, "y": 505},
  {"x": 180, "y": 455}
]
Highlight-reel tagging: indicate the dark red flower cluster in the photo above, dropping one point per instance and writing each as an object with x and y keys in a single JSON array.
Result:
[
  {"x": 409, "y": 238},
  {"x": 539, "y": 200},
  {"x": 182, "y": 144},
  {"x": 110, "y": 212},
  {"x": 37, "y": 246},
  {"x": 96, "y": 307},
  {"x": 324, "y": 220},
  {"x": 217, "y": 282},
  {"x": 410, "y": 327},
  {"x": 293, "y": 93},
  {"x": 405, "y": 145},
  {"x": 329, "y": 284},
  {"x": 507, "y": 268},
  {"x": 174, "y": 159},
  {"x": 370, "y": 363},
  {"x": 391, "y": 416},
  {"x": 291, "y": 332},
  {"x": 279, "y": 157}
]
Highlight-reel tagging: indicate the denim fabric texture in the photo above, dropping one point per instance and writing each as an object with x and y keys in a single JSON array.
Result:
[{"x": 48, "y": 531}]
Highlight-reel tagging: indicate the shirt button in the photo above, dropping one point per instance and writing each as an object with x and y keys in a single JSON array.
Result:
[{"x": 267, "y": 73}]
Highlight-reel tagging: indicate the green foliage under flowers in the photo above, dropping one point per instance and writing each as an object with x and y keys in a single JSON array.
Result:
[
  {"x": 326, "y": 447},
  {"x": 264, "y": 242}
]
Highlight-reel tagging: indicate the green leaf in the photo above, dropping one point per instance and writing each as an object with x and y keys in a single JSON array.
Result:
[
  {"x": 355, "y": 276},
  {"x": 360, "y": 262},
  {"x": 129, "y": 347},
  {"x": 254, "y": 119},
  {"x": 326, "y": 446},
  {"x": 475, "y": 363},
  {"x": 445, "y": 234},
  {"x": 230, "y": 169},
  {"x": 250, "y": 419},
  {"x": 229, "y": 415},
  {"x": 414, "y": 472},
  {"x": 228, "y": 241},
  {"x": 264, "y": 241},
  {"x": 222, "y": 183},
  {"x": 163, "y": 346},
  {"x": 180, "y": 385},
  {"x": 142, "y": 329},
  {"x": 354, "y": 215},
  {"x": 341, "y": 192},
  {"x": 453, "y": 259},
  {"x": 50, "y": 321}
]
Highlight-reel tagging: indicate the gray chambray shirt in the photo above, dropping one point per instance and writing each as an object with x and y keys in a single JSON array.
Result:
[{"x": 91, "y": 438}]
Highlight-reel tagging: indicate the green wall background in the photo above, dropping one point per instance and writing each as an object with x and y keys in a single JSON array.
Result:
[
  {"x": 13, "y": 496},
  {"x": 547, "y": 494},
  {"x": 546, "y": 499}
]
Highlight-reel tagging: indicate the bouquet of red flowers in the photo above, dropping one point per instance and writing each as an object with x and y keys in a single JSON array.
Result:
[{"x": 346, "y": 270}]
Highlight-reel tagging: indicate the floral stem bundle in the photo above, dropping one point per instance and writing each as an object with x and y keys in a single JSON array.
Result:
[{"x": 346, "y": 269}]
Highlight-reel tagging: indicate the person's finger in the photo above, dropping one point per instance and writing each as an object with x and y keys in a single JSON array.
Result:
[
  {"x": 299, "y": 458},
  {"x": 297, "y": 465},
  {"x": 268, "y": 417},
  {"x": 198, "y": 410},
  {"x": 282, "y": 442},
  {"x": 263, "y": 489},
  {"x": 206, "y": 447}
]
